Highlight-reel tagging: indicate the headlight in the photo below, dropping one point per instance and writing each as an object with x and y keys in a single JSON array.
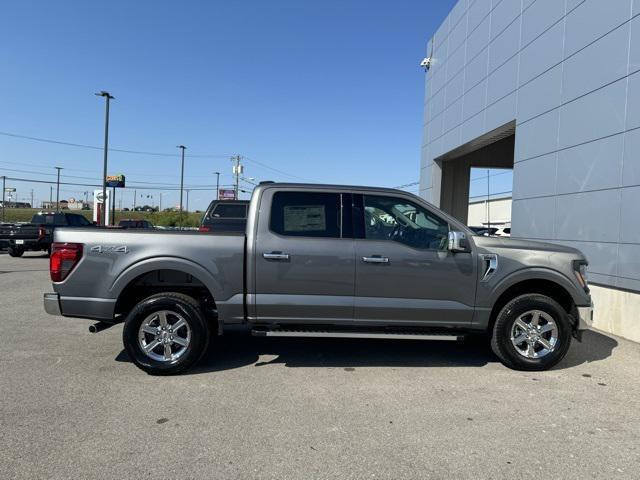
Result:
[{"x": 580, "y": 270}]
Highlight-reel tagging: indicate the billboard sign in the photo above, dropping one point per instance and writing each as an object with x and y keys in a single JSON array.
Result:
[
  {"x": 225, "y": 194},
  {"x": 115, "y": 181}
]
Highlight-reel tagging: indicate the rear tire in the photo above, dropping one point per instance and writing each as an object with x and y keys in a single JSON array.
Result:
[
  {"x": 532, "y": 332},
  {"x": 15, "y": 251},
  {"x": 166, "y": 333}
]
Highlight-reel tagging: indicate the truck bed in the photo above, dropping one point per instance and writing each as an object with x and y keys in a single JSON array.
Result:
[{"x": 113, "y": 258}]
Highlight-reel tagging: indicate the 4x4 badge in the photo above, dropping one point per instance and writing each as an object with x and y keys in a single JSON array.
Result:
[{"x": 109, "y": 249}]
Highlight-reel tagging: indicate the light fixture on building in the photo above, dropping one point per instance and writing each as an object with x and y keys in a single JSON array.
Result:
[{"x": 426, "y": 63}]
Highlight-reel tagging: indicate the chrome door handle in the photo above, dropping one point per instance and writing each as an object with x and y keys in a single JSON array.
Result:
[
  {"x": 276, "y": 256},
  {"x": 375, "y": 259}
]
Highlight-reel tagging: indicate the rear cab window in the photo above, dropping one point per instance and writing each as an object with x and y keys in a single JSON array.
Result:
[
  {"x": 49, "y": 219},
  {"x": 229, "y": 210}
]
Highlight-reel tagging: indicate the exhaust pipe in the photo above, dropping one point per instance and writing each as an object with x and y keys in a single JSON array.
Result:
[{"x": 100, "y": 326}]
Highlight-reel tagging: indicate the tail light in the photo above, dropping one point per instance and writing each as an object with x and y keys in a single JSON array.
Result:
[
  {"x": 42, "y": 232},
  {"x": 204, "y": 228},
  {"x": 64, "y": 257}
]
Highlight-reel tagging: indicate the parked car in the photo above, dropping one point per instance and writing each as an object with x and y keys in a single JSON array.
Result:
[
  {"x": 38, "y": 235},
  {"x": 492, "y": 231},
  {"x": 5, "y": 228},
  {"x": 225, "y": 216},
  {"x": 486, "y": 231},
  {"x": 326, "y": 261},
  {"x": 136, "y": 224}
]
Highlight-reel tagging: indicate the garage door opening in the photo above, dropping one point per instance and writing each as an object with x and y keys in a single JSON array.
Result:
[{"x": 477, "y": 179}]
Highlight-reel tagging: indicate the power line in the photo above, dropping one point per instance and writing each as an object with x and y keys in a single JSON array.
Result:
[
  {"x": 276, "y": 170},
  {"x": 136, "y": 186},
  {"x": 94, "y": 147}
]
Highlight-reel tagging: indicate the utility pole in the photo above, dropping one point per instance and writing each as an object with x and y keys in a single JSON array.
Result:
[
  {"x": 160, "y": 206},
  {"x": 182, "y": 148},
  {"x": 108, "y": 99},
  {"x": 58, "y": 190},
  {"x": 187, "y": 200},
  {"x": 217, "y": 185},
  {"x": 4, "y": 190},
  {"x": 237, "y": 171},
  {"x": 113, "y": 206},
  {"x": 134, "y": 200},
  {"x": 50, "y": 194},
  {"x": 32, "y": 198}
]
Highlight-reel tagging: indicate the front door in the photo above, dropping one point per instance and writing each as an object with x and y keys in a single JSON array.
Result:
[
  {"x": 304, "y": 257},
  {"x": 404, "y": 273}
]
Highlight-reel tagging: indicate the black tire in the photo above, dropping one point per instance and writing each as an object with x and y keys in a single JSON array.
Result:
[
  {"x": 187, "y": 308},
  {"x": 15, "y": 251},
  {"x": 507, "y": 352}
]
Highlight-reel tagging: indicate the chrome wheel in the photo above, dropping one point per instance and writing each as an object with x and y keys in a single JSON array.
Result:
[
  {"x": 534, "y": 334},
  {"x": 164, "y": 336}
]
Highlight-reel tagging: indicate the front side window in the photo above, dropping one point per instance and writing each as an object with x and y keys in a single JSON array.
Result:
[
  {"x": 396, "y": 219},
  {"x": 306, "y": 214}
]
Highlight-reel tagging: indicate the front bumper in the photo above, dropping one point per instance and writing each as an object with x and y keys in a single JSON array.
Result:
[{"x": 585, "y": 317}]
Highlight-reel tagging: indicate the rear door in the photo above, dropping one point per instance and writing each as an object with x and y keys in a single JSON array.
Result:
[
  {"x": 304, "y": 257},
  {"x": 404, "y": 273}
]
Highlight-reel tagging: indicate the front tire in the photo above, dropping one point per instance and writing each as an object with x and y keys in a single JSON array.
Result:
[
  {"x": 15, "y": 251},
  {"x": 532, "y": 332},
  {"x": 166, "y": 333}
]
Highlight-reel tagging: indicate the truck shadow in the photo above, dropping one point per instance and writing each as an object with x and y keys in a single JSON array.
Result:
[{"x": 240, "y": 349}]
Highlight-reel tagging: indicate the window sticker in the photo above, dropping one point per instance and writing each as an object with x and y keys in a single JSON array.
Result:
[{"x": 304, "y": 218}]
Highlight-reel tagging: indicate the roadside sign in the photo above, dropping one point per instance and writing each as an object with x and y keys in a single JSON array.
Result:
[
  {"x": 9, "y": 189},
  {"x": 225, "y": 194},
  {"x": 115, "y": 181}
]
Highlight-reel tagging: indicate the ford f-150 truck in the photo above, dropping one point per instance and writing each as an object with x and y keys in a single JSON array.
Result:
[{"x": 323, "y": 260}]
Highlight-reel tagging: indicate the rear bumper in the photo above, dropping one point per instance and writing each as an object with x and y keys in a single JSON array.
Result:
[
  {"x": 81, "y": 307},
  {"x": 52, "y": 304},
  {"x": 29, "y": 244},
  {"x": 585, "y": 317}
]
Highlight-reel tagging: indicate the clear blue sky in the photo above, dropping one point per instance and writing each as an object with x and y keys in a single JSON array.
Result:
[{"x": 329, "y": 91}]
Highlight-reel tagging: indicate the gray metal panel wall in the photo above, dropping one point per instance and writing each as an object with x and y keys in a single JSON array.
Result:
[{"x": 568, "y": 73}]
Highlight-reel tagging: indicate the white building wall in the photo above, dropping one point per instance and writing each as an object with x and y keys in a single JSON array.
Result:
[{"x": 568, "y": 73}]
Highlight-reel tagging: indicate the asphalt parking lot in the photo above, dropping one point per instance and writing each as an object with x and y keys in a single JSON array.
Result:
[{"x": 73, "y": 406}]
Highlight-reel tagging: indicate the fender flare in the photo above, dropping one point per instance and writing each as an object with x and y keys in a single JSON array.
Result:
[
  {"x": 166, "y": 263},
  {"x": 534, "y": 273}
]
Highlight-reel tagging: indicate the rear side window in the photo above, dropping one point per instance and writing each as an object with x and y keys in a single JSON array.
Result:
[
  {"x": 226, "y": 210},
  {"x": 49, "y": 219},
  {"x": 306, "y": 214}
]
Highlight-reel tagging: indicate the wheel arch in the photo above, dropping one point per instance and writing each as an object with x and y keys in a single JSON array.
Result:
[
  {"x": 551, "y": 288},
  {"x": 165, "y": 275}
]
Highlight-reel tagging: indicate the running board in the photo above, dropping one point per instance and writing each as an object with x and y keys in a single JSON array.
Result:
[{"x": 403, "y": 335}]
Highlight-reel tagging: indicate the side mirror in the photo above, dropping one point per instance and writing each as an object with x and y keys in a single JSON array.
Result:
[{"x": 458, "y": 242}]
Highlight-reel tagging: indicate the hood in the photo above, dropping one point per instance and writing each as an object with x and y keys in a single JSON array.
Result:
[{"x": 520, "y": 244}]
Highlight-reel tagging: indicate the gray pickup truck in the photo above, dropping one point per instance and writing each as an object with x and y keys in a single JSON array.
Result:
[{"x": 323, "y": 260}]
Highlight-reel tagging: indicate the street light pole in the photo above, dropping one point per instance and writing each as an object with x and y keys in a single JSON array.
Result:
[
  {"x": 181, "y": 147},
  {"x": 58, "y": 190},
  {"x": 107, "y": 96},
  {"x": 4, "y": 186},
  {"x": 217, "y": 185}
]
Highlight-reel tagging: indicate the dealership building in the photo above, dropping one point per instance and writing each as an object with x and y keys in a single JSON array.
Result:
[{"x": 551, "y": 89}]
